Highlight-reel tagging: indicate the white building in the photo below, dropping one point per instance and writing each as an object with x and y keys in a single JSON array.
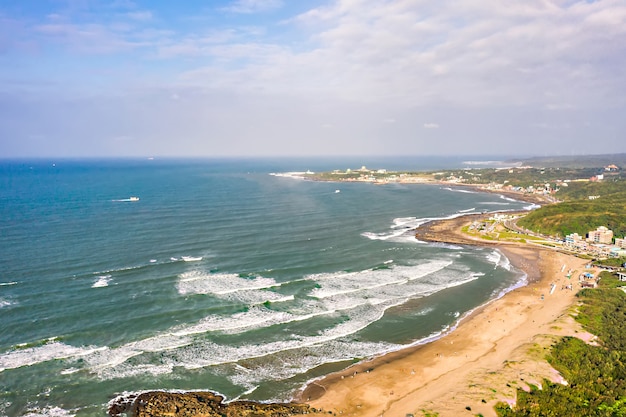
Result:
[
  {"x": 600, "y": 235},
  {"x": 574, "y": 240}
]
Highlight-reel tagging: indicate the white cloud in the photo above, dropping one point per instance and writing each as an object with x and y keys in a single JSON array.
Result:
[
  {"x": 481, "y": 68},
  {"x": 409, "y": 52},
  {"x": 253, "y": 6},
  {"x": 472, "y": 54}
]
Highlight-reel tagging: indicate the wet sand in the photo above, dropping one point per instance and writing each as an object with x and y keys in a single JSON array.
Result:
[{"x": 499, "y": 348}]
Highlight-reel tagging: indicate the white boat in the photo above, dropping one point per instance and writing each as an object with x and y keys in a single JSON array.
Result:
[
  {"x": 191, "y": 258},
  {"x": 133, "y": 198}
]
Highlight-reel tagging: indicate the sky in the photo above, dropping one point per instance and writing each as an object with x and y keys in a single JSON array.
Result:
[{"x": 135, "y": 78}]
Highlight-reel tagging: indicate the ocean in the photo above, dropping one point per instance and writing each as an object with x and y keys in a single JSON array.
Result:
[{"x": 221, "y": 276}]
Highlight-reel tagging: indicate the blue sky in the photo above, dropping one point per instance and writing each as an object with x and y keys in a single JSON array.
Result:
[{"x": 320, "y": 77}]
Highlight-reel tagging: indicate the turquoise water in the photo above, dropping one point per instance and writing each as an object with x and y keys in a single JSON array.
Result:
[{"x": 284, "y": 280}]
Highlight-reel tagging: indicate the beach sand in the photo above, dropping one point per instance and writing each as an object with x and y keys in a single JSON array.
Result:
[{"x": 499, "y": 348}]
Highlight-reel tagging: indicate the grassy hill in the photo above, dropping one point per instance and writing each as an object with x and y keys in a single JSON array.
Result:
[
  {"x": 596, "y": 375},
  {"x": 579, "y": 214}
]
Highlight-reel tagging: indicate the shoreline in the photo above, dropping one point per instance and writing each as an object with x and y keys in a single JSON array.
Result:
[
  {"x": 478, "y": 362},
  {"x": 444, "y": 378}
]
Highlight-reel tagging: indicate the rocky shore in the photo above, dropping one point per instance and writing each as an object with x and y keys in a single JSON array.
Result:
[{"x": 198, "y": 404}]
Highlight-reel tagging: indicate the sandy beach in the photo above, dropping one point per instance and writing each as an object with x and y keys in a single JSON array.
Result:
[{"x": 494, "y": 351}]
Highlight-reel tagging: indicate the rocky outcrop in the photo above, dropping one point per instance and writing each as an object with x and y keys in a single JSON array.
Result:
[{"x": 199, "y": 404}]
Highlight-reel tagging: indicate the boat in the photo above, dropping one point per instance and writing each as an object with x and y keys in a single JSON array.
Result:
[
  {"x": 133, "y": 198},
  {"x": 191, "y": 258}
]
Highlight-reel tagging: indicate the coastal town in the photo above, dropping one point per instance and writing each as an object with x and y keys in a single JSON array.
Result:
[{"x": 600, "y": 242}]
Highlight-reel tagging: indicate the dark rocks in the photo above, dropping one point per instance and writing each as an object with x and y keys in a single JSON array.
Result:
[{"x": 198, "y": 404}]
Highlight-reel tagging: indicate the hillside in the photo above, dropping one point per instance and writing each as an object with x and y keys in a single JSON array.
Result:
[{"x": 579, "y": 214}]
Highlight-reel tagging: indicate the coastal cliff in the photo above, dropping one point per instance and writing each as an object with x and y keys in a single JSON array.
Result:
[{"x": 198, "y": 404}]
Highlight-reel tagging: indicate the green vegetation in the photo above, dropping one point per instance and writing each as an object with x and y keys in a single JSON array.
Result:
[
  {"x": 578, "y": 214},
  {"x": 523, "y": 177},
  {"x": 611, "y": 262},
  {"x": 610, "y": 280},
  {"x": 582, "y": 190},
  {"x": 595, "y": 375}
]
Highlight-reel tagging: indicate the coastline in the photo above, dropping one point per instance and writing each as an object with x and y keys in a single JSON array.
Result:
[
  {"x": 493, "y": 350},
  {"x": 496, "y": 349}
]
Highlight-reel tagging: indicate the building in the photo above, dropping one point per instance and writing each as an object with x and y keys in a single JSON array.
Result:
[
  {"x": 620, "y": 243},
  {"x": 573, "y": 239},
  {"x": 600, "y": 235}
]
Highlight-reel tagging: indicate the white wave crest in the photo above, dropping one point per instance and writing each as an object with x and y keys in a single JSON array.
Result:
[
  {"x": 459, "y": 190},
  {"x": 353, "y": 300},
  {"x": 6, "y": 303},
  {"x": 102, "y": 281},
  {"x": 383, "y": 236},
  {"x": 338, "y": 284},
  {"x": 505, "y": 263},
  {"x": 359, "y": 309},
  {"x": 499, "y": 260},
  {"x": 404, "y": 222},
  {"x": 197, "y": 282},
  {"x": 294, "y": 175},
  {"x": 306, "y": 359},
  {"x": 403, "y": 228},
  {"x": 50, "y": 412},
  {"x": 494, "y": 257},
  {"x": 206, "y": 353},
  {"x": 38, "y": 354},
  {"x": 254, "y": 318},
  {"x": 508, "y": 198}
]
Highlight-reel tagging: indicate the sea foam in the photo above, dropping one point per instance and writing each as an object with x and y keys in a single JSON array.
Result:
[
  {"x": 29, "y": 356},
  {"x": 354, "y": 301},
  {"x": 49, "y": 412},
  {"x": 6, "y": 303},
  {"x": 102, "y": 281},
  {"x": 499, "y": 260},
  {"x": 199, "y": 282}
]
